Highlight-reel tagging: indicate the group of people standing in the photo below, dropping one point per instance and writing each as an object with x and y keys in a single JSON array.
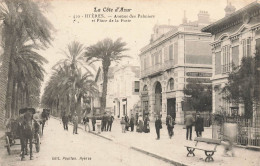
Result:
[
  {"x": 126, "y": 123},
  {"x": 65, "y": 120},
  {"x": 107, "y": 122},
  {"x": 189, "y": 122},
  {"x": 170, "y": 122},
  {"x": 142, "y": 125},
  {"x": 103, "y": 123},
  {"x": 199, "y": 127}
]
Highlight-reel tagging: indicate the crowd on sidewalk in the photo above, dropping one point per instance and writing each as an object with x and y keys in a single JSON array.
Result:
[{"x": 104, "y": 123}]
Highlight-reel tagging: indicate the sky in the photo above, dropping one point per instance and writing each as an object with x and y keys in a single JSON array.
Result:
[{"x": 136, "y": 33}]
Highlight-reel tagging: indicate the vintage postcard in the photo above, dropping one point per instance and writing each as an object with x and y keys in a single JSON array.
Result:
[{"x": 129, "y": 82}]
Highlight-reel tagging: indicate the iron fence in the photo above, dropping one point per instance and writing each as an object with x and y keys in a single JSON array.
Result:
[{"x": 248, "y": 131}]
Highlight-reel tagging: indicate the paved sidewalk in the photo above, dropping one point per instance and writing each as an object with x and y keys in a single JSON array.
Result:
[{"x": 173, "y": 150}]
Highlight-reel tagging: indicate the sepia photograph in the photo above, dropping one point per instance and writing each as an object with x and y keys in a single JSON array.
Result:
[{"x": 129, "y": 82}]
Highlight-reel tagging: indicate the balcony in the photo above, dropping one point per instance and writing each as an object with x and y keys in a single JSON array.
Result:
[
  {"x": 152, "y": 70},
  {"x": 225, "y": 69}
]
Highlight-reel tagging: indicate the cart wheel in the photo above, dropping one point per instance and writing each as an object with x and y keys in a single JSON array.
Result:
[
  {"x": 37, "y": 142},
  {"x": 8, "y": 145}
]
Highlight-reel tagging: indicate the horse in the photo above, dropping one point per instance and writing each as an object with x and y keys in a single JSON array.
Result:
[{"x": 27, "y": 130}]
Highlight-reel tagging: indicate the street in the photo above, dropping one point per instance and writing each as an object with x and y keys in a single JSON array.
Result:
[{"x": 59, "y": 147}]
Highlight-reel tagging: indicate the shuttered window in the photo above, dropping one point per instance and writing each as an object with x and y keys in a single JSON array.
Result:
[
  {"x": 137, "y": 86},
  {"x": 218, "y": 63},
  {"x": 235, "y": 55},
  {"x": 175, "y": 53},
  {"x": 171, "y": 52}
]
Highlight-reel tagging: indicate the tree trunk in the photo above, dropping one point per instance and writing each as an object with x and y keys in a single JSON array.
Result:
[
  {"x": 9, "y": 92},
  {"x": 27, "y": 97},
  {"x": 13, "y": 103},
  {"x": 17, "y": 95},
  {"x": 104, "y": 90},
  {"x": 4, "y": 70}
]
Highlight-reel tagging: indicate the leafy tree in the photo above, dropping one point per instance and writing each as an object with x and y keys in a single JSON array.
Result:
[
  {"x": 106, "y": 51},
  {"x": 198, "y": 95},
  {"x": 19, "y": 17},
  {"x": 241, "y": 86}
]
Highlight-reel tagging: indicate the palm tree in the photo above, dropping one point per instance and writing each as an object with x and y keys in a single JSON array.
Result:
[
  {"x": 62, "y": 86},
  {"x": 106, "y": 51},
  {"x": 19, "y": 17},
  {"x": 74, "y": 60},
  {"x": 25, "y": 69}
]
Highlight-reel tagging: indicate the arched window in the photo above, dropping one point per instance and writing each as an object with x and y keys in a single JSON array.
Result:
[
  {"x": 171, "y": 84},
  {"x": 145, "y": 88}
]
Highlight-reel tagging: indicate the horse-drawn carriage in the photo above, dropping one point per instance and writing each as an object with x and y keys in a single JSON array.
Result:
[{"x": 25, "y": 129}]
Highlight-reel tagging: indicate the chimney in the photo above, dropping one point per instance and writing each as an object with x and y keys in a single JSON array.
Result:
[
  {"x": 169, "y": 21},
  {"x": 184, "y": 20},
  {"x": 229, "y": 9},
  {"x": 203, "y": 17}
]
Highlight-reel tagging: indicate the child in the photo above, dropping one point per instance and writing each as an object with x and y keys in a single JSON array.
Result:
[{"x": 122, "y": 122}]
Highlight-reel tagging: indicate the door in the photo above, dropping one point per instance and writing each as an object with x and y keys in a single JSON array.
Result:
[{"x": 171, "y": 107}]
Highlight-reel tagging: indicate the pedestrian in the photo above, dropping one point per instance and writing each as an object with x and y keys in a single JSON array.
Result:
[
  {"x": 98, "y": 121},
  {"x": 140, "y": 125},
  {"x": 104, "y": 123},
  {"x": 132, "y": 123},
  {"x": 126, "y": 122},
  {"x": 229, "y": 136},
  {"x": 169, "y": 124},
  {"x": 93, "y": 122},
  {"x": 75, "y": 123},
  {"x": 66, "y": 121},
  {"x": 110, "y": 122},
  {"x": 189, "y": 120},
  {"x": 122, "y": 122},
  {"x": 63, "y": 121},
  {"x": 86, "y": 123},
  {"x": 199, "y": 128},
  {"x": 158, "y": 126},
  {"x": 146, "y": 124},
  {"x": 136, "y": 119}
]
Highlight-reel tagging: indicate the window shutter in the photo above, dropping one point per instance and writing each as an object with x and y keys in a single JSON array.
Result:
[
  {"x": 175, "y": 53},
  {"x": 235, "y": 55},
  {"x": 218, "y": 63}
]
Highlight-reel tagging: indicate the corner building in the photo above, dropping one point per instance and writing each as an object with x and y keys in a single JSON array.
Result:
[
  {"x": 235, "y": 36},
  {"x": 174, "y": 56}
]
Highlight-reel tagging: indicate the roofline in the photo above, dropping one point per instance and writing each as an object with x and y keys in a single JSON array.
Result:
[
  {"x": 172, "y": 36},
  {"x": 209, "y": 27}
]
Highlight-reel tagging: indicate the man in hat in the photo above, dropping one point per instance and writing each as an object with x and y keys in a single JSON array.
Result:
[
  {"x": 158, "y": 126},
  {"x": 86, "y": 123},
  {"x": 189, "y": 120},
  {"x": 110, "y": 122}
]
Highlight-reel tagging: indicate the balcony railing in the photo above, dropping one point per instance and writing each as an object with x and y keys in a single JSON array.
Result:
[
  {"x": 226, "y": 68},
  {"x": 157, "y": 68}
]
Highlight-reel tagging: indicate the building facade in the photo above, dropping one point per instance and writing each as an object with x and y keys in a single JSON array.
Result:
[
  {"x": 126, "y": 90},
  {"x": 175, "y": 56},
  {"x": 122, "y": 89},
  {"x": 235, "y": 36}
]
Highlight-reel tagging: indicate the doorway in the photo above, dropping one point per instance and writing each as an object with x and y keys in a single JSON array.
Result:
[
  {"x": 171, "y": 107},
  {"x": 158, "y": 99}
]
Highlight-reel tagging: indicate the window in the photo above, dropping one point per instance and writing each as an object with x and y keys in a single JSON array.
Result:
[
  {"x": 246, "y": 44},
  {"x": 171, "y": 84},
  {"x": 176, "y": 53},
  {"x": 137, "y": 86},
  {"x": 145, "y": 88},
  {"x": 171, "y": 52},
  {"x": 226, "y": 65},
  {"x": 166, "y": 54}
]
